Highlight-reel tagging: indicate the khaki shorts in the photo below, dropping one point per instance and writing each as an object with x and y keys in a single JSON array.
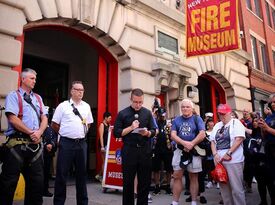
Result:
[{"x": 194, "y": 167}]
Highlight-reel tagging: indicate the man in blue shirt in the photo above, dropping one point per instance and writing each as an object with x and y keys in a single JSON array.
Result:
[
  {"x": 24, "y": 142},
  {"x": 187, "y": 130}
]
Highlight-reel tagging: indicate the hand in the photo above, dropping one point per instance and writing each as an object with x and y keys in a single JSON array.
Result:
[
  {"x": 144, "y": 132},
  {"x": 226, "y": 157},
  {"x": 135, "y": 124},
  {"x": 49, "y": 147},
  {"x": 188, "y": 145},
  {"x": 102, "y": 149},
  {"x": 217, "y": 159},
  {"x": 36, "y": 136},
  {"x": 262, "y": 124}
]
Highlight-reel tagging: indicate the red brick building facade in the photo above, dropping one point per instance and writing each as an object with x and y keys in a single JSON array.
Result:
[{"x": 257, "y": 31}]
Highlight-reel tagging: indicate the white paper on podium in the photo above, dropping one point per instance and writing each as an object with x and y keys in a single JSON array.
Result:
[{"x": 137, "y": 130}]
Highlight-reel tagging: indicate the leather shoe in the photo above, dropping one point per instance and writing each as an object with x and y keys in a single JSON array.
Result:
[{"x": 48, "y": 194}]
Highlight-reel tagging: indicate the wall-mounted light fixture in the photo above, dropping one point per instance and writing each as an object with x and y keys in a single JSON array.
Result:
[{"x": 192, "y": 91}]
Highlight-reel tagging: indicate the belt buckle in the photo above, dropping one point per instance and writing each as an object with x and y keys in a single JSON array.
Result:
[{"x": 77, "y": 140}]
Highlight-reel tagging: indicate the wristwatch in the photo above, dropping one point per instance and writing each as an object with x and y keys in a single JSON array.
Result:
[{"x": 229, "y": 153}]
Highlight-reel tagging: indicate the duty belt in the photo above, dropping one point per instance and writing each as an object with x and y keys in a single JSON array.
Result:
[
  {"x": 12, "y": 142},
  {"x": 16, "y": 141}
]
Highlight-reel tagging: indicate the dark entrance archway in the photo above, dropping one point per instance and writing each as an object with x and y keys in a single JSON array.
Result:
[
  {"x": 75, "y": 56},
  {"x": 211, "y": 94}
]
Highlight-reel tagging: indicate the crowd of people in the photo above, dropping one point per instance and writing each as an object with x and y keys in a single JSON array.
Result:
[
  {"x": 191, "y": 147},
  {"x": 155, "y": 150}
]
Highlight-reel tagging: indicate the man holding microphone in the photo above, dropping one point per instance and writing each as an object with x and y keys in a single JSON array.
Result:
[{"x": 135, "y": 125}]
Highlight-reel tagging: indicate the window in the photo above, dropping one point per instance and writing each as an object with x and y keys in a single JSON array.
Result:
[
  {"x": 268, "y": 14},
  {"x": 168, "y": 43},
  {"x": 264, "y": 58},
  {"x": 255, "y": 56},
  {"x": 258, "y": 8},
  {"x": 248, "y": 4}
]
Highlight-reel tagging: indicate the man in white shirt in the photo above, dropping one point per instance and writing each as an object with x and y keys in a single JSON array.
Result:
[{"x": 71, "y": 120}]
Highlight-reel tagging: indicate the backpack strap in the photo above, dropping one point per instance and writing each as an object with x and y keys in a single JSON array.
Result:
[
  {"x": 20, "y": 105},
  {"x": 196, "y": 123}
]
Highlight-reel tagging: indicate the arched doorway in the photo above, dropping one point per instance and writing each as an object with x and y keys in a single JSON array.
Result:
[
  {"x": 60, "y": 55},
  {"x": 211, "y": 94}
]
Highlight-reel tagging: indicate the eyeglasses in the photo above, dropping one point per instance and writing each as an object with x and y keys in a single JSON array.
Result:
[{"x": 78, "y": 89}]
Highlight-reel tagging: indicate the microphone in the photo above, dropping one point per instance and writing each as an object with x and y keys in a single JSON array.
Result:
[{"x": 136, "y": 116}]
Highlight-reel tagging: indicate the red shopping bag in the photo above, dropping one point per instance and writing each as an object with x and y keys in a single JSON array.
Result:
[{"x": 219, "y": 174}]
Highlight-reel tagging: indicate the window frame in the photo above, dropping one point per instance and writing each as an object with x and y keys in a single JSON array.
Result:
[
  {"x": 255, "y": 55},
  {"x": 267, "y": 9},
  {"x": 264, "y": 58},
  {"x": 258, "y": 10}
]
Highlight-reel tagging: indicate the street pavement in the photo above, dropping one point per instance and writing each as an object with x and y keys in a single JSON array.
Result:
[{"x": 112, "y": 197}]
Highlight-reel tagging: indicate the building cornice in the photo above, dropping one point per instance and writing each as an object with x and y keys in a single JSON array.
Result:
[{"x": 259, "y": 75}]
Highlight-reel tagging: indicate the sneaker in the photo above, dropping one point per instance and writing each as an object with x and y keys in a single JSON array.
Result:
[
  {"x": 157, "y": 190},
  {"x": 189, "y": 199},
  {"x": 97, "y": 177},
  {"x": 150, "y": 200},
  {"x": 209, "y": 185},
  {"x": 203, "y": 200},
  {"x": 254, "y": 180},
  {"x": 221, "y": 201}
]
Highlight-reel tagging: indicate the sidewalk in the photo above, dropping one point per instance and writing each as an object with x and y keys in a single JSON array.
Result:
[{"x": 96, "y": 197}]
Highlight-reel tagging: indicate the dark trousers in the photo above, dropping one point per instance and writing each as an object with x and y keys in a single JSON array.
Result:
[
  {"x": 71, "y": 153},
  {"x": 264, "y": 180},
  {"x": 32, "y": 172},
  {"x": 249, "y": 169},
  {"x": 136, "y": 160},
  {"x": 47, "y": 168}
]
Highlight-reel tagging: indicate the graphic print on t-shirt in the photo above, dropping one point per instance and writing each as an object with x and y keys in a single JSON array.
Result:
[
  {"x": 223, "y": 138},
  {"x": 185, "y": 129}
]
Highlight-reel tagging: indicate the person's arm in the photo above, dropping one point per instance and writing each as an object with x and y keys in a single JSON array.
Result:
[
  {"x": 120, "y": 130},
  {"x": 18, "y": 124},
  {"x": 237, "y": 142},
  {"x": 36, "y": 135},
  {"x": 217, "y": 158},
  {"x": 176, "y": 138},
  {"x": 55, "y": 126},
  {"x": 101, "y": 131},
  {"x": 151, "y": 131},
  {"x": 266, "y": 129}
]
